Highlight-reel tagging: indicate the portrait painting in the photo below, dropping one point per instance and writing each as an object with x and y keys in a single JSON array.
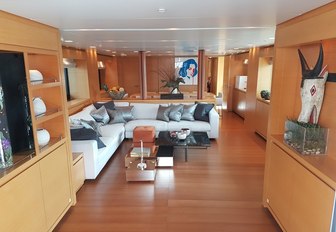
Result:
[{"x": 187, "y": 68}]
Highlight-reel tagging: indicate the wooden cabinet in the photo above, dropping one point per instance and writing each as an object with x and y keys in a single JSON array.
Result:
[
  {"x": 22, "y": 206},
  {"x": 299, "y": 199},
  {"x": 300, "y": 189},
  {"x": 239, "y": 102},
  {"x": 55, "y": 184},
  {"x": 78, "y": 172},
  {"x": 37, "y": 190},
  {"x": 261, "y": 115}
]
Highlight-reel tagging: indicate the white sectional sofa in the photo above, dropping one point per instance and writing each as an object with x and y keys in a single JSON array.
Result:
[{"x": 113, "y": 134}]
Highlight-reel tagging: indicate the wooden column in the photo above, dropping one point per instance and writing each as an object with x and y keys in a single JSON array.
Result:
[
  {"x": 201, "y": 75},
  {"x": 93, "y": 73},
  {"x": 143, "y": 77}
]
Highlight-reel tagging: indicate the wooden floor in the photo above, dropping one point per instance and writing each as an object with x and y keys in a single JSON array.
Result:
[{"x": 218, "y": 189}]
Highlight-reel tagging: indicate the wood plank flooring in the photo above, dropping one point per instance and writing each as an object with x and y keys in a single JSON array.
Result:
[{"x": 218, "y": 189}]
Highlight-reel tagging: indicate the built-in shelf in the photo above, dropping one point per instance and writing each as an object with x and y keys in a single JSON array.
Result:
[
  {"x": 19, "y": 158},
  {"x": 46, "y": 85},
  {"x": 52, "y": 145},
  {"x": 323, "y": 166},
  {"x": 50, "y": 114}
]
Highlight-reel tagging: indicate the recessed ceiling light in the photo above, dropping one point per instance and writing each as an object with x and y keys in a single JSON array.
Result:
[
  {"x": 92, "y": 46},
  {"x": 135, "y": 51},
  {"x": 67, "y": 41},
  {"x": 114, "y": 52},
  {"x": 161, "y": 10},
  {"x": 107, "y": 50},
  {"x": 123, "y": 54}
]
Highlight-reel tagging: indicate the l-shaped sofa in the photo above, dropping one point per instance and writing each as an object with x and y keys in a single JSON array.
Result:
[{"x": 144, "y": 114}]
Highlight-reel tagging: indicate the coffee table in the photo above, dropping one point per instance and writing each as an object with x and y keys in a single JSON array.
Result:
[{"x": 196, "y": 139}]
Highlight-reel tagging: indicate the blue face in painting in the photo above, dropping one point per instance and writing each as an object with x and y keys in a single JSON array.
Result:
[{"x": 188, "y": 69}]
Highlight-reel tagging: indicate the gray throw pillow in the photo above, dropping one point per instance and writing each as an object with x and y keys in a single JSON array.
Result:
[
  {"x": 100, "y": 115},
  {"x": 175, "y": 113},
  {"x": 188, "y": 112},
  {"x": 127, "y": 112},
  {"x": 92, "y": 125},
  {"x": 163, "y": 113},
  {"x": 116, "y": 116}
]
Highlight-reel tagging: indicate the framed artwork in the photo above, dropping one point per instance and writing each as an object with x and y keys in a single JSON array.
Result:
[{"x": 187, "y": 68}]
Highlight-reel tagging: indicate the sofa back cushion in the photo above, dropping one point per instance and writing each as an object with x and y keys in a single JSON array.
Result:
[
  {"x": 84, "y": 114},
  {"x": 145, "y": 110}
]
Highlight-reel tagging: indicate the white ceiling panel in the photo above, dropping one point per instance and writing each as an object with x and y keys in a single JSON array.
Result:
[{"x": 217, "y": 26}]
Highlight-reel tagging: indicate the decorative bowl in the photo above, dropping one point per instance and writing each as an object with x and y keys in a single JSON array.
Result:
[
  {"x": 186, "y": 130},
  {"x": 36, "y": 76},
  {"x": 181, "y": 135}
]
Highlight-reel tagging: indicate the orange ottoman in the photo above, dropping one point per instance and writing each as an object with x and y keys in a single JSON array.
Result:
[{"x": 144, "y": 133}]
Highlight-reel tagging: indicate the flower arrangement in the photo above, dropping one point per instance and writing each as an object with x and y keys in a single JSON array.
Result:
[{"x": 116, "y": 93}]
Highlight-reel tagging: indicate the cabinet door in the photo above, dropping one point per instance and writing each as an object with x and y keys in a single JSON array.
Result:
[
  {"x": 312, "y": 203},
  {"x": 55, "y": 183},
  {"x": 22, "y": 203},
  {"x": 279, "y": 192}
]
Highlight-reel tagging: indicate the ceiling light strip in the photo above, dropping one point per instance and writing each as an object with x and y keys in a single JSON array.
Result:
[{"x": 161, "y": 29}]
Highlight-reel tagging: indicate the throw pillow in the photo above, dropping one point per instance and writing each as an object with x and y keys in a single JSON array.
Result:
[
  {"x": 175, "y": 113},
  {"x": 108, "y": 105},
  {"x": 163, "y": 113},
  {"x": 100, "y": 115},
  {"x": 127, "y": 112},
  {"x": 202, "y": 112},
  {"x": 93, "y": 125},
  {"x": 116, "y": 116},
  {"x": 86, "y": 134},
  {"x": 188, "y": 112}
]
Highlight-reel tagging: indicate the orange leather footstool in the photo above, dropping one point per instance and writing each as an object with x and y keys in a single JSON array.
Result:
[{"x": 144, "y": 133}]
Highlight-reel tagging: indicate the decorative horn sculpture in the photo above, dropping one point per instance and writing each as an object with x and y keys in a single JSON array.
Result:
[{"x": 312, "y": 89}]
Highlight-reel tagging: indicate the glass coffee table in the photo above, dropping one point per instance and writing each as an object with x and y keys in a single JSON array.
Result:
[{"x": 196, "y": 139}]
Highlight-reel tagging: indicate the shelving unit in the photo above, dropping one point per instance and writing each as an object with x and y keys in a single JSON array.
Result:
[
  {"x": 299, "y": 190},
  {"x": 38, "y": 188}
]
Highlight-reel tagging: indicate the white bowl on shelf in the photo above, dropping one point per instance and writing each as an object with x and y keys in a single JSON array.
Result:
[
  {"x": 36, "y": 77},
  {"x": 39, "y": 106},
  {"x": 43, "y": 137}
]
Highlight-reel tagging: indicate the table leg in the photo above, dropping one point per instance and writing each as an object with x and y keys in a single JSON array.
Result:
[{"x": 186, "y": 154}]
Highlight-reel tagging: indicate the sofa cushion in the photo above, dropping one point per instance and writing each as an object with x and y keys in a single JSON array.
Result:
[
  {"x": 116, "y": 116},
  {"x": 111, "y": 130},
  {"x": 145, "y": 110},
  {"x": 192, "y": 125},
  {"x": 116, "y": 103},
  {"x": 91, "y": 124},
  {"x": 127, "y": 112},
  {"x": 84, "y": 114},
  {"x": 108, "y": 105},
  {"x": 86, "y": 134},
  {"x": 188, "y": 112},
  {"x": 159, "y": 125},
  {"x": 175, "y": 113},
  {"x": 202, "y": 112},
  {"x": 100, "y": 115},
  {"x": 163, "y": 113}
]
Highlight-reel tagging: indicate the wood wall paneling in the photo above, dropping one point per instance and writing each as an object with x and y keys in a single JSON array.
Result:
[
  {"x": 128, "y": 74},
  {"x": 236, "y": 67},
  {"x": 93, "y": 74},
  {"x": 19, "y": 31}
]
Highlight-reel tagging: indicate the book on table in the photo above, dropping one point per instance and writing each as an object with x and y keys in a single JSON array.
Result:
[{"x": 136, "y": 152}]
